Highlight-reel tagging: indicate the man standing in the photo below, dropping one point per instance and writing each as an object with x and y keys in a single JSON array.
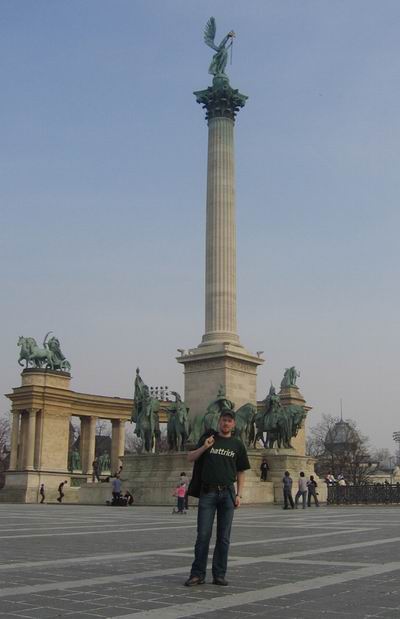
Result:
[
  {"x": 264, "y": 469},
  {"x": 302, "y": 491},
  {"x": 116, "y": 490},
  {"x": 287, "y": 490},
  {"x": 224, "y": 461},
  {"x": 95, "y": 470}
]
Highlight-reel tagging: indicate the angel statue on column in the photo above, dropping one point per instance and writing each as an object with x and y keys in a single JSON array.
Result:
[{"x": 220, "y": 59}]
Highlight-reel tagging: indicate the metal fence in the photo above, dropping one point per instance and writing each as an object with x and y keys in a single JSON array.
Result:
[{"x": 366, "y": 494}]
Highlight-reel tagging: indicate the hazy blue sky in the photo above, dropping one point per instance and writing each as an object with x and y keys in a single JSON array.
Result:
[{"x": 102, "y": 191}]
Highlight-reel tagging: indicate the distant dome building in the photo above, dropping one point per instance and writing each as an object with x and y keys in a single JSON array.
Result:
[{"x": 341, "y": 438}]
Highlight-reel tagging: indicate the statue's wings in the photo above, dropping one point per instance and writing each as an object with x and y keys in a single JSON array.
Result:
[{"x": 209, "y": 33}]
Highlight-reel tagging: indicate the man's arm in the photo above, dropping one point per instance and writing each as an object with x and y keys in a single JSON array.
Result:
[
  {"x": 240, "y": 486},
  {"x": 196, "y": 453}
]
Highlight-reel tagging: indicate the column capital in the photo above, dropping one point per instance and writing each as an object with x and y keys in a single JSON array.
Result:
[{"x": 220, "y": 100}]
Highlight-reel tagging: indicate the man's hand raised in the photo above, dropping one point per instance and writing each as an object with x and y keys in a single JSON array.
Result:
[{"x": 209, "y": 442}]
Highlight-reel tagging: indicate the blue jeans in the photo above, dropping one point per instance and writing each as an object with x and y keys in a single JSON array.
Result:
[{"x": 222, "y": 503}]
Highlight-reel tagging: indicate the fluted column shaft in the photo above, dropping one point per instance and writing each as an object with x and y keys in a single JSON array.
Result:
[{"x": 220, "y": 323}]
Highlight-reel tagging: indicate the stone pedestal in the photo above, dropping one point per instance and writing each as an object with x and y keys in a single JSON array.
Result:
[
  {"x": 152, "y": 479},
  {"x": 208, "y": 367}
]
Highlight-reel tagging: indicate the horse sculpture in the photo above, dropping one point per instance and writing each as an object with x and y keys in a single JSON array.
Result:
[
  {"x": 50, "y": 356},
  {"x": 177, "y": 426},
  {"x": 145, "y": 415},
  {"x": 244, "y": 428},
  {"x": 202, "y": 424},
  {"x": 280, "y": 423},
  {"x": 33, "y": 354}
]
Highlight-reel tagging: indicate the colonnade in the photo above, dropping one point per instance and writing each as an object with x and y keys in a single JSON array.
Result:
[{"x": 30, "y": 453}]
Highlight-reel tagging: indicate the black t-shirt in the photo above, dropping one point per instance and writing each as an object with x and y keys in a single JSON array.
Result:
[{"x": 223, "y": 460}]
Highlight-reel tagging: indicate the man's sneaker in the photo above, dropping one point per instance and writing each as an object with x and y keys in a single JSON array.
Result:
[
  {"x": 192, "y": 581},
  {"x": 220, "y": 581}
]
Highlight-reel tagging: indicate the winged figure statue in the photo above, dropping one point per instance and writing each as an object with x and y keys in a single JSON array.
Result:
[{"x": 220, "y": 59}]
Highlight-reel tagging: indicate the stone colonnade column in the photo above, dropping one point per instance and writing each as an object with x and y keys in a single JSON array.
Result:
[
  {"x": 14, "y": 440},
  {"x": 30, "y": 440},
  {"x": 222, "y": 103},
  {"x": 87, "y": 443},
  {"x": 117, "y": 443},
  {"x": 91, "y": 448}
]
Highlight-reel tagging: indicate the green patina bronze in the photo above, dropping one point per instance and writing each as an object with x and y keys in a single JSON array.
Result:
[
  {"x": 220, "y": 59},
  {"x": 104, "y": 462},
  {"x": 47, "y": 357},
  {"x": 178, "y": 425},
  {"x": 289, "y": 377},
  {"x": 280, "y": 423},
  {"x": 220, "y": 99},
  {"x": 74, "y": 461},
  {"x": 145, "y": 414},
  {"x": 244, "y": 417}
]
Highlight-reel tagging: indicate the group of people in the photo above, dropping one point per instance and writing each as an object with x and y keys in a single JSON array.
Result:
[
  {"x": 307, "y": 490},
  {"x": 330, "y": 480}
]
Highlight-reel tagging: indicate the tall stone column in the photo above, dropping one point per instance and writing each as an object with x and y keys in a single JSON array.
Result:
[
  {"x": 91, "y": 447},
  {"x": 30, "y": 444},
  {"x": 14, "y": 440},
  {"x": 88, "y": 443},
  {"x": 117, "y": 443},
  {"x": 220, "y": 359}
]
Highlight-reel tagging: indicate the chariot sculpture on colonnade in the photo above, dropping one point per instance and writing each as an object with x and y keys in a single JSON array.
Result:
[{"x": 49, "y": 356}]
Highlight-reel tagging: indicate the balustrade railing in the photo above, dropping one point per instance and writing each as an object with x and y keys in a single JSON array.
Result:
[{"x": 366, "y": 494}]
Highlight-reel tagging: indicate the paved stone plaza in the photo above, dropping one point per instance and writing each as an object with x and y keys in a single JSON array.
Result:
[{"x": 83, "y": 561}]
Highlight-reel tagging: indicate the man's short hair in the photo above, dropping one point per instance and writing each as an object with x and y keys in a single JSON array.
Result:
[{"x": 228, "y": 411}]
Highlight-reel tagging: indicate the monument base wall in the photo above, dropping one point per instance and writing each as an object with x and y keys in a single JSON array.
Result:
[
  {"x": 23, "y": 486},
  {"x": 281, "y": 460}
]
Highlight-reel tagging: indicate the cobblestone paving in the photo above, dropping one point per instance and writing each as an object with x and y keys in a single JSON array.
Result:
[{"x": 86, "y": 562}]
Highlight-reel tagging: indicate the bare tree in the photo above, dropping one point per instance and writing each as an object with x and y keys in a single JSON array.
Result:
[
  {"x": 339, "y": 448},
  {"x": 5, "y": 432},
  {"x": 383, "y": 457}
]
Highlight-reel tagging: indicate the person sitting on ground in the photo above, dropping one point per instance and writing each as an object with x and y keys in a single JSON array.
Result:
[{"x": 129, "y": 498}]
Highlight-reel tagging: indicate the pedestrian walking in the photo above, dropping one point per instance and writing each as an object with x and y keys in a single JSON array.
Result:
[
  {"x": 185, "y": 479},
  {"x": 42, "y": 493},
  {"x": 61, "y": 491},
  {"x": 180, "y": 493},
  {"x": 223, "y": 463},
  {"x": 312, "y": 491},
  {"x": 264, "y": 468},
  {"x": 287, "y": 482},
  {"x": 302, "y": 490}
]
